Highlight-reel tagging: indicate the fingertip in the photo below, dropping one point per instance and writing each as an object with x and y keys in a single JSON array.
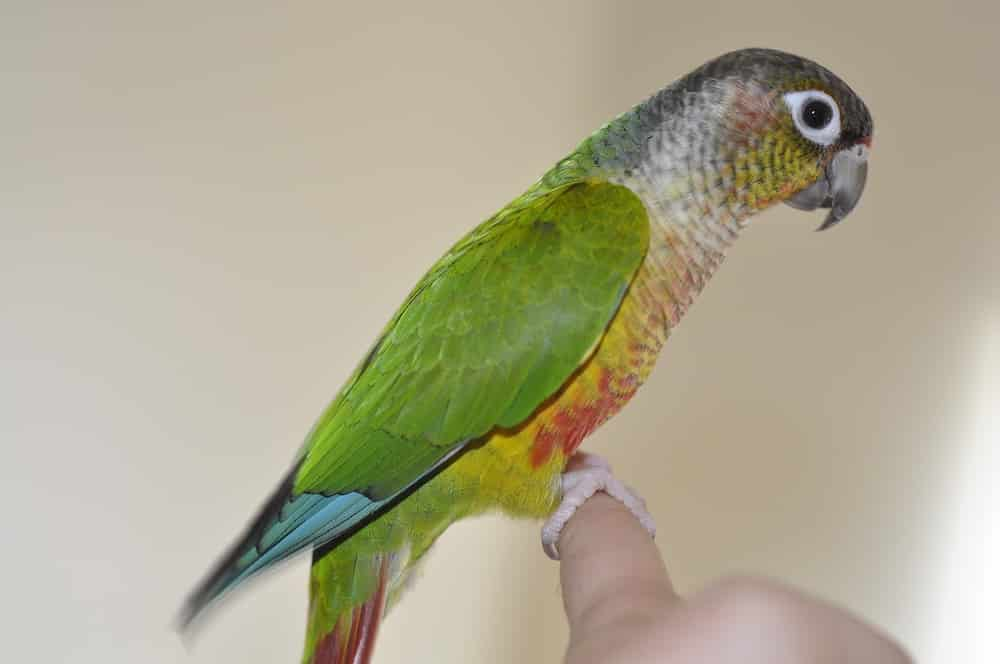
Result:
[{"x": 609, "y": 563}]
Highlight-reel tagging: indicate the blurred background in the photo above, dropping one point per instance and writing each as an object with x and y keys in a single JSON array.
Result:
[{"x": 208, "y": 211}]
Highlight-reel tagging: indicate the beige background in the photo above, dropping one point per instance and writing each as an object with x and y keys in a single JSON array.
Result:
[{"x": 208, "y": 210}]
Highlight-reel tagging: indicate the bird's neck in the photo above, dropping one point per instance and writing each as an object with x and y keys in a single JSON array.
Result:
[
  {"x": 696, "y": 200},
  {"x": 693, "y": 222}
]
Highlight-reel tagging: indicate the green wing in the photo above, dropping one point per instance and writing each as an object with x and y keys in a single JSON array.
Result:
[{"x": 493, "y": 329}]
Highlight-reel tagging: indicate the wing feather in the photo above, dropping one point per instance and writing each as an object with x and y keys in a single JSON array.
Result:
[{"x": 493, "y": 329}]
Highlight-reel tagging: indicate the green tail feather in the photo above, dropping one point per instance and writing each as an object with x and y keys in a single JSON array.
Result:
[{"x": 347, "y": 600}]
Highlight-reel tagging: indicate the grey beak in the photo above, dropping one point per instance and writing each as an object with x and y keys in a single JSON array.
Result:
[{"x": 841, "y": 187}]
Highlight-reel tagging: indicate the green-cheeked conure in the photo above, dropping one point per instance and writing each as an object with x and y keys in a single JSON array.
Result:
[{"x": 538, "y": 326}]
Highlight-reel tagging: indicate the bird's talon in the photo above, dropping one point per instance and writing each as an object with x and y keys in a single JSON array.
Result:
[{"x": 587, "y": 474}]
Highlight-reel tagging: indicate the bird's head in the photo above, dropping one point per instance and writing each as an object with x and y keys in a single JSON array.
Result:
[{"x": 787, "y": 130}]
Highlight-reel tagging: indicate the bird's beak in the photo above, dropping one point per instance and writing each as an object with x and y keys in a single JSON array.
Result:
[{"x": 839, "y": 189}]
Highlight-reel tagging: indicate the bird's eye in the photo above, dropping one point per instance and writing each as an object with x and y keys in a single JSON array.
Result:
[{"x": 816, "y": 115}]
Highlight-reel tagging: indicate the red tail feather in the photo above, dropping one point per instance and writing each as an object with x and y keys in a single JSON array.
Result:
[{"x": 352, "y": 639}]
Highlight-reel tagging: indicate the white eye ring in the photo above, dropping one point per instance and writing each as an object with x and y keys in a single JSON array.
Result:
[{"x": 797, "y": 103}]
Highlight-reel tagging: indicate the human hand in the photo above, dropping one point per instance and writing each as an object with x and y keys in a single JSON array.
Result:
[{"x": 622, "y": 608}]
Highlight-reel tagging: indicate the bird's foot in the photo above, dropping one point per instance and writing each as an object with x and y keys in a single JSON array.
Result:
[{"x": 585, "y": 475}]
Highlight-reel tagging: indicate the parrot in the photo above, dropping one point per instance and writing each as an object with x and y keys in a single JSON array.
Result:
[{"x": 535, "y": 328}]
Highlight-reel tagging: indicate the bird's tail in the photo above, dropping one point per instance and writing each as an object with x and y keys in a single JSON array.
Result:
[
  {"x": 348, "y": 595},
  {"x": 284, "y": 526}
]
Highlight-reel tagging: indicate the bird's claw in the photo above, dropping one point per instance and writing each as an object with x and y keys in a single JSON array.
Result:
[{"x": 586, "y": 474}]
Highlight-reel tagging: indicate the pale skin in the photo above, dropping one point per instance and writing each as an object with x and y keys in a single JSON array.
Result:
[{"x": 622, "y": 607}]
